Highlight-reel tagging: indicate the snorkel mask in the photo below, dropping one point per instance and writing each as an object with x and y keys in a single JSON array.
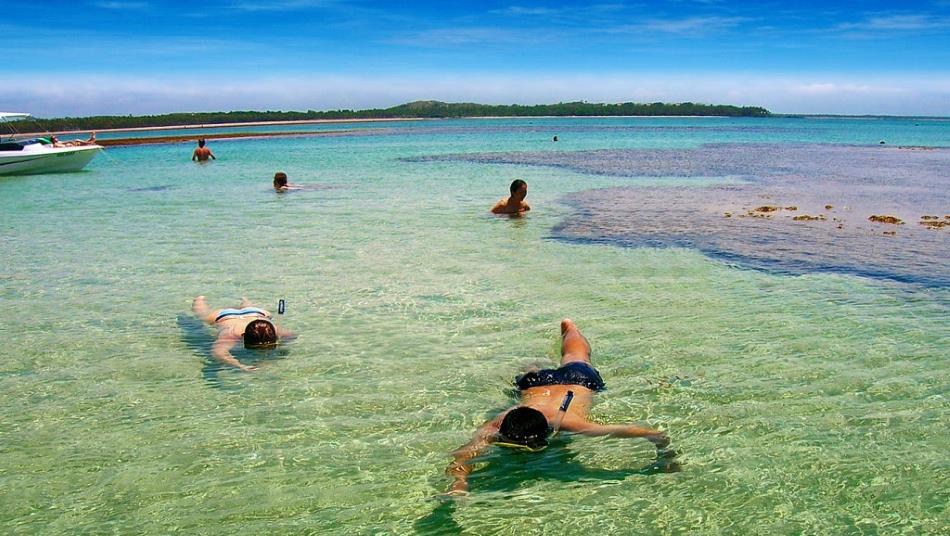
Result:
[{"x": 539, "y": 444}]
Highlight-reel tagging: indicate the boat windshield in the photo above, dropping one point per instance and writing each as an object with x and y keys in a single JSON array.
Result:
[{"x": 19, "y": 145}]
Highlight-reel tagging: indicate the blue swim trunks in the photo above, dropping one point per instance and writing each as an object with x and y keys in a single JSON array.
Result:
[
  {"x": 573, "y": 373},
  {"x": 225, "y": 313}
]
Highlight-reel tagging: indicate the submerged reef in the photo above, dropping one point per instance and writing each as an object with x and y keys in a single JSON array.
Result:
[{"x": 838, "y": 188}]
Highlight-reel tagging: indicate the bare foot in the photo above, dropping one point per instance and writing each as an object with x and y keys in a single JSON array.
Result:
[
  {"x": 199, "y": 305},
  {"x": 566, "y": 325}
]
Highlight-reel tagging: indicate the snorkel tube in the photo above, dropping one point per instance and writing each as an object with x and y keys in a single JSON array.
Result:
[{"x": 562, "y": 411}]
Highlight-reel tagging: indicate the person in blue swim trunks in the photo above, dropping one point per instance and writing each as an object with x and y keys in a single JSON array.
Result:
[
  {"x": 544, "y": 393},
  {"x": 252, "y": 325}
]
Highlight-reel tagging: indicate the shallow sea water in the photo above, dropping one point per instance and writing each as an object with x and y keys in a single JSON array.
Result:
[{"x": 814, "y": 402}]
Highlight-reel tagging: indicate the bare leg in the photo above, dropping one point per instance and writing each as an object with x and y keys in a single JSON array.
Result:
[
  {"x": 201, "y": 309},
  {"x": 574, "y": 346}
]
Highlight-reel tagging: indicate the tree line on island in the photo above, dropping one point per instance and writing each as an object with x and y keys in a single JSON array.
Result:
[{"x": 418, "y": 109}]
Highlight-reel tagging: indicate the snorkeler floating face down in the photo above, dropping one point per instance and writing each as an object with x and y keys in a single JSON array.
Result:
[
  {"x": 246, "y": 324},
  {"x": 546, "y": 396}
]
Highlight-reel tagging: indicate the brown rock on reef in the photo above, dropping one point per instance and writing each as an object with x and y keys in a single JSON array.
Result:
[
  {"x": 793, "y": 208},
  {"x": 886, "y": 219},
  {"x": 890, "y": 233},
  {"x": 765, "y": 208},
  {"x": 806, "y": 217},
  {"x": 728, "y": 214},
  {"x": 828, "y": 207},
  {"x": 935, "y": 224},
  {"x": 929, "y": 218}
]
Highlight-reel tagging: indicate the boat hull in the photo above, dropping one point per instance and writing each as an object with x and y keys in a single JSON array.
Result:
[{"x": 60, "y": 160}]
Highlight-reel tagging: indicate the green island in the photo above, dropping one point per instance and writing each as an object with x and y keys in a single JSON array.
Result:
[{"x": 418, "y": 109}]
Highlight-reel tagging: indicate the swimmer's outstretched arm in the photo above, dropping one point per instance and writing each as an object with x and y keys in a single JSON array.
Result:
[
  {"x": 460, "y": 467},
  {"x": 656, "y": 437},
  {"x": 221, "y": 350}
]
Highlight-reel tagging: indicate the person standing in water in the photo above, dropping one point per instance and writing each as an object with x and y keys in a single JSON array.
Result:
[
  {"x": 515, "y": 203},
  {"x": 545, "y": 408},
  {"x": 252, "y": 325},
  {"x": 202, "y": 153}
]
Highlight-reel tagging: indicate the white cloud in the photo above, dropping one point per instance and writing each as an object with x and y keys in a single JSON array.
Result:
[
  {"x": 903, "y": 23},
  {"x": 281, "y": 5},
  {"x": 122, "y": 5},
  {"x": 687, "y": 26},
  {"x": 469, "y": 35},
  {"x": 527, "y": 11}
]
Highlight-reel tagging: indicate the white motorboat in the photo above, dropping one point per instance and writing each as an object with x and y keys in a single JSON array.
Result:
[{"x": 40, "y": 155}]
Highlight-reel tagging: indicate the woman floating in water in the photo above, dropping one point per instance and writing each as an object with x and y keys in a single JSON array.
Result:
[{"x": 248, "y": 324}]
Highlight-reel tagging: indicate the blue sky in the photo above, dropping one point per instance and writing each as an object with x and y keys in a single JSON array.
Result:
[{"x": 150, "y": 56}]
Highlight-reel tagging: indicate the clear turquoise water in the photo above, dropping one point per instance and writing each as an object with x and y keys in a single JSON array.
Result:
[{"x": 814, "y": 403}]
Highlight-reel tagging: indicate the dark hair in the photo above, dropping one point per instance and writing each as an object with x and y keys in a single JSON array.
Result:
[
  {"x": 201, "y": 143},
  {"x": 526, "y": 426},
  {"x": 260, "y": 332},
  {"x": 280, "y": 179},
  {"x": 516, "y": 185}
]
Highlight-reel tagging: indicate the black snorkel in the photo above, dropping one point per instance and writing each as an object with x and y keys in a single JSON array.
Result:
[{"x": 562, "y": 411}]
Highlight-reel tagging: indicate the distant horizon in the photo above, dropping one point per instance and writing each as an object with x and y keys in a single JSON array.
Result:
[
  {"x": 264, "y": 110},
  {"x": 146, "y": 57}
]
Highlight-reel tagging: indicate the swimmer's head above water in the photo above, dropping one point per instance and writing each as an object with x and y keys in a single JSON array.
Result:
[
  {"x": 260, "y": 333},
  {"x": 516, "y": 187},
  {"x": 280, "y": 179},
  {"x": 524, "y": 427}
]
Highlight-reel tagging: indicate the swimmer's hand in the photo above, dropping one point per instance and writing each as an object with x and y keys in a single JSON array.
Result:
[
  {"x": 453, "y": 494},
  {"x": 247, "y": 368},
  {"x": 660, "y": 439}
]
